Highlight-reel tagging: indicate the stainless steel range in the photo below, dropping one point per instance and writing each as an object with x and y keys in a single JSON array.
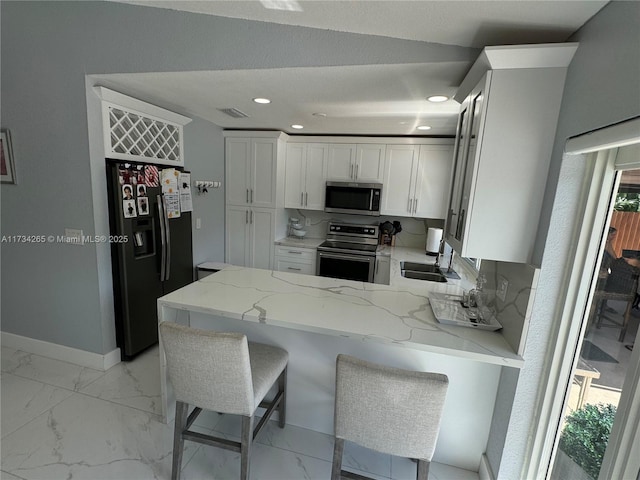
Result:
[{"x": 349, "y": 252}]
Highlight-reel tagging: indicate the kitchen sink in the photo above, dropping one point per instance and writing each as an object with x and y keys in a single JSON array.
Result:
[
  {"x": 419, "y": 267},
  {"x": 421, "y": 271}
]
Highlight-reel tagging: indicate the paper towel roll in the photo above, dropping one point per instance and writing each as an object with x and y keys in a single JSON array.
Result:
[{"x": 434, "y": 236}]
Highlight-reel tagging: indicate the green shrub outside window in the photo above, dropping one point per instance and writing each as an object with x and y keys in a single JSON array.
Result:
[{"x": 586, "y": 434}]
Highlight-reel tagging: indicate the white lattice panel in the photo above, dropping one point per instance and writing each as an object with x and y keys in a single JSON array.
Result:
[
  {"x": 136, "y": 135},
  {"x": 144, "y": 133}
]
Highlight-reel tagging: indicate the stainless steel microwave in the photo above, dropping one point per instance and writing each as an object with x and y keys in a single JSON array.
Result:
[{"x": 353, "y": 198}]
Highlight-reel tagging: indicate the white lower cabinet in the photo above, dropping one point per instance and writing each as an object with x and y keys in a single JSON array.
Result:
[
  {"x": 295, "y": 260},
  {"x": 249, "y": 235}
]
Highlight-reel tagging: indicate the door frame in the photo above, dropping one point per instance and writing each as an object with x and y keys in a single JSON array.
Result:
[{"x": 599, "y": 150}]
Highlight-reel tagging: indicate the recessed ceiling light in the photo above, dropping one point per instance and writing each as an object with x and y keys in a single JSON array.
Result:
[
  {"x": 297, "y": 127},
  {"x": 319, "y": 114},
  {"x": 261, "y": 100},
  {"x": 437, "y": 98},
  {"x": 424, "y": 127}
]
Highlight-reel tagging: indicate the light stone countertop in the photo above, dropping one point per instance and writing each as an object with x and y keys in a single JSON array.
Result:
[
  {"x": 397, "y": 314},
  {"x": 302, "y": 243}
]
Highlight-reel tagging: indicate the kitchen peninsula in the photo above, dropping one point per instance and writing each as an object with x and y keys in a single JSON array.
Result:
[{"x": 315, "y": 318}]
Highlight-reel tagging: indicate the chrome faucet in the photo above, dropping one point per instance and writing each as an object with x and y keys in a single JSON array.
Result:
[{"x": 437, "y": 263}]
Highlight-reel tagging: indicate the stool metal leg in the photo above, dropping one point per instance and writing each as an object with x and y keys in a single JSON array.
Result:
[
  {"x": 282, "y": 408},
  {"x": 246, "y": 439},
  {"x": 182, "y": 409},
  {"x": 338, "y": 450},
  {"x": 423, "y": 470}
]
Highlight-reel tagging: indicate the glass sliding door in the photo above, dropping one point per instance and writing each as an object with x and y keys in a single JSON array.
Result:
[{"x": 605, "y": 364}]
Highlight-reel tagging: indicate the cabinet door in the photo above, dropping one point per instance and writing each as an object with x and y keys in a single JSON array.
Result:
[
  {"x": 370, "y": 160},
  {"x": 316, "y": 176},
  {"x": 399, "y": 180},
  {"x": 237, "y": 166},
  {"x": 454, "y": 233},
  {"x": 294, "y": 175},
  {"x": 432, "y": 181},
  {"x": 341, "y": 162},
  {"x": 284, "y": 264},
  {"x": 237, "y": 236},
  {"x": 262, "y": 225},
  {"x": 263, "y": 172},
  {"x": 475, "y": 115}
]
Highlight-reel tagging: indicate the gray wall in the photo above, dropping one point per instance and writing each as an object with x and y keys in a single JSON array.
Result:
[
  {"x": 602, "y": 88},
  {"x": 59, "y": 293}
]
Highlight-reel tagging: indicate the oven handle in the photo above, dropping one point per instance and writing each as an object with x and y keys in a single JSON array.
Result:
[{"x": 340, "y": 256}]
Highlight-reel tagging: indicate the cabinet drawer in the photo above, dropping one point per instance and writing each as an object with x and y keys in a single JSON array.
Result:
[
  {"x": 283, "y": 264},
  {"x": 296, "y": 254}
]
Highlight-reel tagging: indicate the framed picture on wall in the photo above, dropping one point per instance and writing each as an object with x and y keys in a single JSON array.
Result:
[{"x": 7, "y": 168}]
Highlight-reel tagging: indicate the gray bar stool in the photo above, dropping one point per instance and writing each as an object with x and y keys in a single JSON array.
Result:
[
  {"x": 387, "y": 409},
  {"x": 224, "y": 373}
]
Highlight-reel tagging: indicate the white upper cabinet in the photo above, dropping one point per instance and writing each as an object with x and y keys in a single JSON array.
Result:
[
  {"x": 369, "y": 165},
  {"x": 399, "y": 180},
  {"x": 510, "y": 102},
  {"x": 342, "y": 158},
  {"x": 416, "y": 180},
  {"x": 306, "y": 174},
  {"x": 251, "y": 171},
  {"x": 356, "y": 162}
]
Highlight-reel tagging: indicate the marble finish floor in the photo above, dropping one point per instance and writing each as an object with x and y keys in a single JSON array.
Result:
[{"x": 62, "y": 421}]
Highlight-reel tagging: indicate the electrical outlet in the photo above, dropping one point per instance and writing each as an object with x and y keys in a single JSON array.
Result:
[
  {"x": 503, "y": 285},
  {"x": 307, "y": 222}
]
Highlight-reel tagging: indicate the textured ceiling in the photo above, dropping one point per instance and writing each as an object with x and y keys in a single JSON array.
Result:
[
  {"x": 370, "y": 99},
  {"x": 475, "y": 23}
]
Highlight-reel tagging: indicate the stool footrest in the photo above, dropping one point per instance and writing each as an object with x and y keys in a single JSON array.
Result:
[{"x": 210, "y": 440}]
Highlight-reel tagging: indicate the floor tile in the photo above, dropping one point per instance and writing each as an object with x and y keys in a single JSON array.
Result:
[
  {"x": 366, "y": 462},
  {"x": 267, "y": 463},
  {"x": 402, "y": 468},
  {"x": 292, "y": 438},
  {"x": 135, "y": 384},
  {"x": 109, "y": 428},
  {"x": 47, "y": 370},
  {"x": 86, "y": 438},
  {"x": 7, "y": 476},
  {"x": 24, "y": 399}
]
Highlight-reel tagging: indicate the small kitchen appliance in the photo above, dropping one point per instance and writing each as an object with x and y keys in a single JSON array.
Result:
[
  {"x": 434, "y": 239},
  {"x": 295, "y": 229},
  {"x": 353, "y": 198}
]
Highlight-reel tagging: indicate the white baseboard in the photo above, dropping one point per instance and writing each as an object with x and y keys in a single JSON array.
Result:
[
  {"x": 61, "y": 352},
  {"x": 485, "y": 472}
]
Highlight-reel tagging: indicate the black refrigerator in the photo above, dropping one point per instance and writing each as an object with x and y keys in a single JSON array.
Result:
[{"x": 151, "y": 254}]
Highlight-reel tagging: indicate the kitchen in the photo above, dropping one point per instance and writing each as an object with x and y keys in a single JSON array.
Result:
[{"x": 59, "y": 303}]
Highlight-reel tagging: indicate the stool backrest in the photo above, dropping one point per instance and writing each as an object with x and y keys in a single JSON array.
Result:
[
  {"x": 387, "y": 409},
  {"x": 209, "y": 369}
]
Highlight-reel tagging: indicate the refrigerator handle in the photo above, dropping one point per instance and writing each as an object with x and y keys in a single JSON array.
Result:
[
  {"x": 168, "y": 241},
  {"x": 163, "y": 238}
]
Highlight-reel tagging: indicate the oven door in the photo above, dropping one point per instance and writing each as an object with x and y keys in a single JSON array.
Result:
[{"x": 346, "y": 266}]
